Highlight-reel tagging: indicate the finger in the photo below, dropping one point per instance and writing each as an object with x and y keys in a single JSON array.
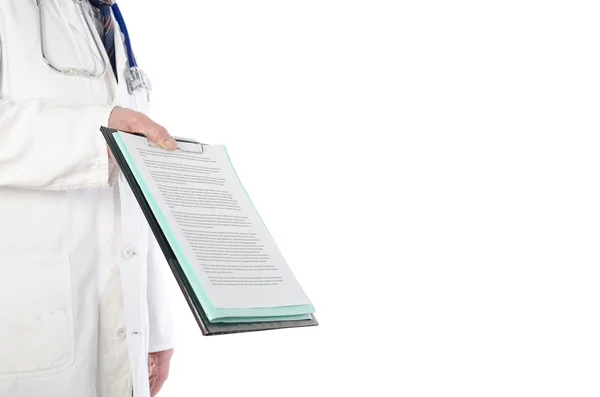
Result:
[
  {"x": 151, "y": 373},
  {"x": 152, "y": 383},
  {"x": 158, "y": 384},
  {"x": 160, "y": 375},
  {"x": 158, "y": 134}
]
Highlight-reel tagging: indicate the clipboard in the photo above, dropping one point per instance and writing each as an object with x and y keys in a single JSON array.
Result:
[{"x": 207, "y": 328}]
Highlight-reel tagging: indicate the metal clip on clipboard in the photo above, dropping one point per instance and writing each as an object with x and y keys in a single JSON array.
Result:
[{"x": 199, "y": 146}]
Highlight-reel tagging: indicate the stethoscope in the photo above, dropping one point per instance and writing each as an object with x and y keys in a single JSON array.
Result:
[{"x": 137, "y": 80}]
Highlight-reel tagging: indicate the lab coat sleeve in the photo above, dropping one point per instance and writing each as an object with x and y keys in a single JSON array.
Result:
[
  {"x": 159, "y": 305},
  {"x": 50, "y": 146}
]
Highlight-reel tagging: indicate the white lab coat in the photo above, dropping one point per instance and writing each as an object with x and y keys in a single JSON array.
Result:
[{"x": 66, "y": 221}]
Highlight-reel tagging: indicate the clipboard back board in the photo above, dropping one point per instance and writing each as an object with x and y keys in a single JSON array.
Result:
[{"x": 205, "y": 325}]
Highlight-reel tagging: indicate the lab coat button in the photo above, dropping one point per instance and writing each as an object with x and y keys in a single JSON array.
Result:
[
  {"x": 121, "y": 333},
  {"x": 128, "y": 252}
]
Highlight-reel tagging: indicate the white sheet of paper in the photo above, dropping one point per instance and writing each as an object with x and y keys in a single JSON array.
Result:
[{"x": 226, "y": 242}]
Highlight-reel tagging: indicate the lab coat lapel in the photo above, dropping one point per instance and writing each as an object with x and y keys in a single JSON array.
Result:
[
  {"x": 122, "y": 98},
  {"x": 133, "y": 270}
]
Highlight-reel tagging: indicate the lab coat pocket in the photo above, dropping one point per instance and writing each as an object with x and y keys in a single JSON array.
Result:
[{"x": 36, "y": 316}]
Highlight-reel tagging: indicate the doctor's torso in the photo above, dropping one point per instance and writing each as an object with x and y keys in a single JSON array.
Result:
[{"x": 55, "y": 245}]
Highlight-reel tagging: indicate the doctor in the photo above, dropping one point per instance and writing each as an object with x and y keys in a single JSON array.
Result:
[{"x": 82, "y": 305}]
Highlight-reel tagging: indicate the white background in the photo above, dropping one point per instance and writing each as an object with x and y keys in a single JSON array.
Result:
[{"x": 430, "y": 170}]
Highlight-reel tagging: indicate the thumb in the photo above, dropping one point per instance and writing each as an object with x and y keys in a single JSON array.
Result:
[{"x": 158, "y": 134}]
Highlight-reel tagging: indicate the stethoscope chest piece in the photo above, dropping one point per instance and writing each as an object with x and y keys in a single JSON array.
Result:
[{"x": 138, "y": 80}]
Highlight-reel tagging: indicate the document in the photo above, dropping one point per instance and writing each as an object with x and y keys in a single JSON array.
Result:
[{"x": 222, "y": 244}]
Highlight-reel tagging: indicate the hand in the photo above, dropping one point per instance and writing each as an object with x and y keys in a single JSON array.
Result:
[
  {"x": 131, "y": 121},
  {"x": 158, "y": 369}
]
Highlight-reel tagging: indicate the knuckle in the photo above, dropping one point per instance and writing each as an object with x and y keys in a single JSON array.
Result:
[{"x": 137, "y": 122}]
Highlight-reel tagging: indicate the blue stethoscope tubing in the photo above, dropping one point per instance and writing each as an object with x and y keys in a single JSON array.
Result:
[
  {"x": 137, "y": 79},
  {"x": 123, "y": 27}
]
